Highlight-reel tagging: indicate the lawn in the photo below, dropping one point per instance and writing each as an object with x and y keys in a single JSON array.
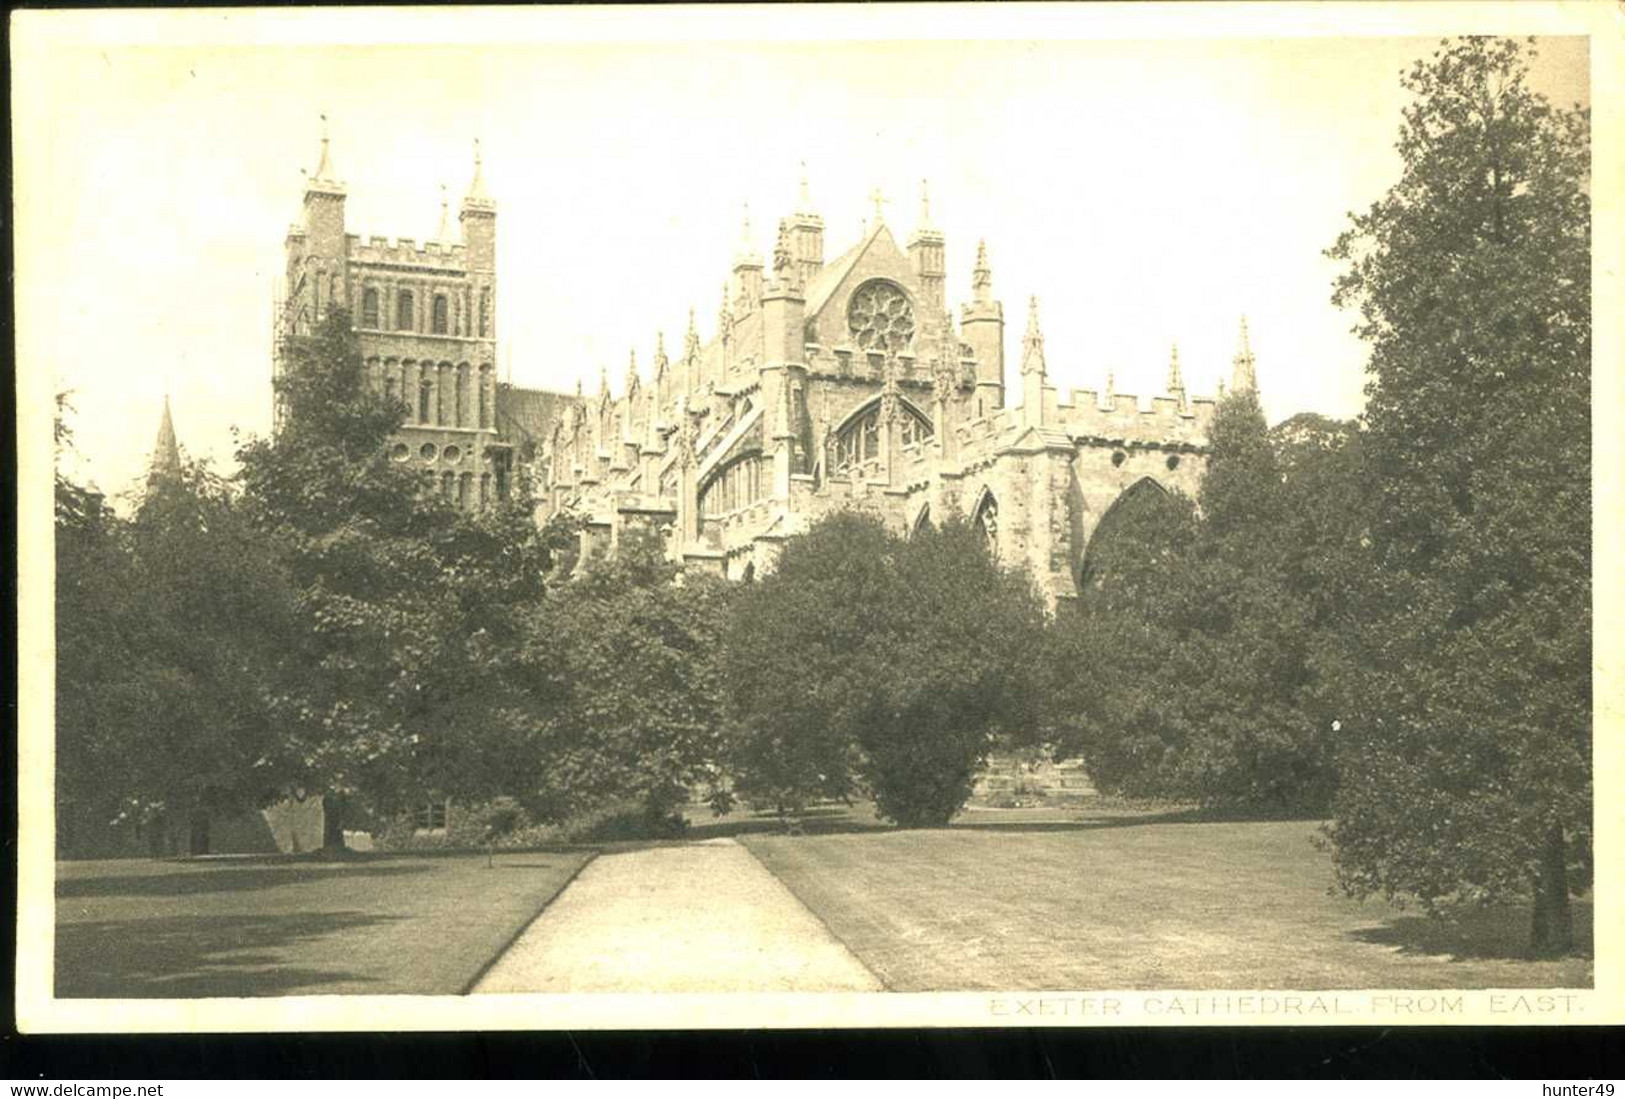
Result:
[
  {"x": 1016, "y": 901},
  {"x": 293, "y": 926}
]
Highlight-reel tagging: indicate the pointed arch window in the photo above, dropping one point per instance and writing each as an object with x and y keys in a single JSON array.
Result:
[
  {"x": 440, "y": 316},
  {"x": 403, "y": 311},
  {"x": 857, "y": 444},
  {"x": 987, "y": 521},
  {"x": 485, "y": 313},
  {"x": 369, "y": 308}
]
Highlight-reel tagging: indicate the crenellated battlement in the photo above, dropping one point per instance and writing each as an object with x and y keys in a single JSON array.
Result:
[{"x": 451, "y": 258}]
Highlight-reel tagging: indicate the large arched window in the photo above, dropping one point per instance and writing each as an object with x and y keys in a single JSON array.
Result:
[
  {"x": 403, "y": 311},
  {"x": 369, "y": 308},
  {"x": 1134, "y": 539},
  {"x": 857, "y": 443},
  {"x": 736, "y": 485},
  {"x": 440, "y": 317}
]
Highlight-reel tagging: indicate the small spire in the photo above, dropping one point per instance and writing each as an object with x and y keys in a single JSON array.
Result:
[
  {"x": 166, "y": 452},
  {"x": 632, "y": 373},
  {"x": 981, "y": 276},
  {"x": 1176, "y": 382},
  {"x": 1111, "y": 385},
  {"x": 803, "y": 198},
  {"x": 691, "y": 339},
  {"x": 443, "y": 233},
  {"x": 477, "y": 197},
  {"x": 324, "y": 169},
  {"x": 725, "y": 318},
  {"x": 661, "y": 363},
  {"x": 1032, "y": 354},
  {"x": 603, "y": 383},
  {"x": 925, "y": 204},
  {"x": 1245, "y": 376},
  {"x": 781, "y": 250}
]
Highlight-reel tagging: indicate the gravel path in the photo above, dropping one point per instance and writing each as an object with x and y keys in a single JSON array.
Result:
[{"x": 700, "y": 917}]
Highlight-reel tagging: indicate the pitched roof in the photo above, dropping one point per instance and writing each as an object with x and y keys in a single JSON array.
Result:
[
  {"x": 830, "y": 277},
  {"x": 529, "y": 414}
]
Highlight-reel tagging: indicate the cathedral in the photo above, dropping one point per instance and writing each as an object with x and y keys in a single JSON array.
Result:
[
  {"x": 848, "y": 383},
  {"x": 841, "y": 383}
]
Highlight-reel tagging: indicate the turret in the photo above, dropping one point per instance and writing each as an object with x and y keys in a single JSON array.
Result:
[
  {"x": 806, "y": 235},
  {"x": 1034, "y": 372},
  {"x": 479, "y": 221},
  {"x": 324, "y": 207},
  {"x": 747, "y": 272},
  {"x": 926, "y": 255},
  {"x": 981, "y": 322}
]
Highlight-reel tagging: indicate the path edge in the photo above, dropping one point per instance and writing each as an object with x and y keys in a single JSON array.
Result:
[
  {"x": 885, "y": 986},
  {"x": 508, "y": 943}
]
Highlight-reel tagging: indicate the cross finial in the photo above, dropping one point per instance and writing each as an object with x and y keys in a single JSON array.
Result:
[
  {"x": 880, "y": 201},
  {"x": 804, "y": 200},
  {"x": 925, "y": 202}
]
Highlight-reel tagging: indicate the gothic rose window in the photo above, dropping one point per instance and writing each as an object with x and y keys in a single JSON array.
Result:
[{"x": 880, "y": 317}]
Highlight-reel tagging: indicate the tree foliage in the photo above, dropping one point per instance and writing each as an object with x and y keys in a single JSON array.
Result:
[
  {"x": 867, "y": 661},
  {"x": 1195, "y": 665},
  {"x": 170, "y": 626},
  {"x": 632, "y": 659},
  {"x": 414, "y": 610},
  {"x": 1467, "y": 773}
]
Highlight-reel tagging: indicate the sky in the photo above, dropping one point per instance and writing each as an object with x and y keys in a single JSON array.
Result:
[{"x": 1148, "y": 189}]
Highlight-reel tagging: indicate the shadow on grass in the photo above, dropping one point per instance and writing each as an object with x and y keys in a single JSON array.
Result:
[
  {"x": 1484, "y": 933},
  {"x": 194, "y": 956},
  {"x": 216, "y": 878}
]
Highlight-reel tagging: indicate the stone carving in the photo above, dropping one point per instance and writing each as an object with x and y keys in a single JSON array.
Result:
[{"x": 880, "y": 317}]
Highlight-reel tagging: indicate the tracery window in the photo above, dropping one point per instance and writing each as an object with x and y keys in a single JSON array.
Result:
[
  {"x": 439, "y": 322},
  {"x": 857, "y": 446},
  {"x": 485, "y": 313},
  {"x": 880, "y": 317},
  {"x": 369, "y": 309},
  {"x": 738, "y": 485},
  {"x": 403, "y": 311}
]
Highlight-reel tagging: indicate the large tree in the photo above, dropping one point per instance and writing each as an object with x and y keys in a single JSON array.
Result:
[
  {"x": 413, "y": 609},
  {"x": 1195, "y": 665},
  {"x": 871, "y": 661},
  {"x": 1467, "y": 768},
  {"x": 170, "y": 630},
  {"x": 632, "y": 656}
]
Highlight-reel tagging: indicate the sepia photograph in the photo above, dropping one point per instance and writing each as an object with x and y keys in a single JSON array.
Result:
[{"x": 893, "y": 515}]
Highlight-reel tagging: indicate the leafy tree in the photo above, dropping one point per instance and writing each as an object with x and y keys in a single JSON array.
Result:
[
  {"x": 1199, "y": 669},
  {"x": 867, "y": 658},
  {"x": 169, "y": 630},
  {"x": 1467, "y": 769},
  {"x": 632, "y": 659},
  {"x": 397, "y": 686}
]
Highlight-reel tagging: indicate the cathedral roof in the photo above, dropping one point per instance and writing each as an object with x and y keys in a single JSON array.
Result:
[{"x": 530, "y": 413}]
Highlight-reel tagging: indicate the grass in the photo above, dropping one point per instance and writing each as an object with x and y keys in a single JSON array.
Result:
[
  {"x": 294, "y": 926},
  {"x": 1046, "y": 900}
]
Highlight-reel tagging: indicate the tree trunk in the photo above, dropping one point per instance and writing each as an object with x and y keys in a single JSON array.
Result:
[
  {"x": 332, "y": 823},
  {"x": 1552, "y": 929}
]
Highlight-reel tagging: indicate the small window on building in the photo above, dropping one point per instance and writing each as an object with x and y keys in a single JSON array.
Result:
[
  {"x": 485, "y": 313},
  {"x": 403, "y": 311},
  {"x": 369, "y": 309},
  {"x": 439, "y": 323},
  {"x": 425, "y": 400},
  {"x": 430, "y": 817}
]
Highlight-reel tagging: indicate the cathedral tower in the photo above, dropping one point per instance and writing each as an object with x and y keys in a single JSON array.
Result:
[{"x": 981, "y": 320}]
